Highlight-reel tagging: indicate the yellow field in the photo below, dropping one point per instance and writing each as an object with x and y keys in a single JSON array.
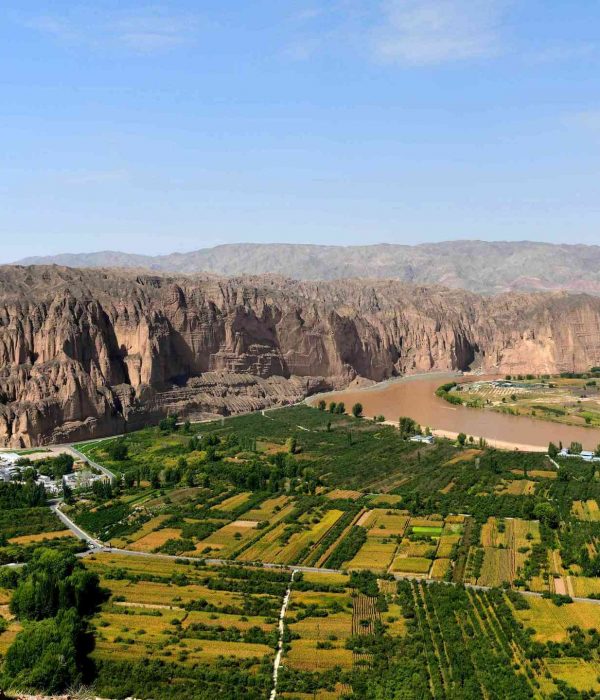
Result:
[
  {"x": 584, "y": 586},
  {"x": 150, "y": 593},
  {"x": 316, "y": 628},
  {"x": 464, "y": 456},
  {"x": 496, "y": 567},
  {"x": 301, "y": 540},
  {"x": 440, "y": 568},
  {"x": 542, "y": 473},
  {"x": 265, "y": 548},
  {"x": 267, "y": 508},
  {"x": 374, "y": 554},
  {"x": 411, "y": 565},
  {"x": 455, "y": 519},
  {"x": 242, "y": 622},
  {"x": 431, "y": 521},
  {"x": 196, "y": 650},
  {"x": 582, "y": 675},
  {"x": 102, "y": 561},
  {"x": 156, "y": 539},
  {"x": 304, "y": 656},
  {"x": 228, "y": 538},
  {"x": 518, "y": 487},
  {"x": 415, "y": 549},
  {"x": 446, "y": 544},
  {"x": 27, "y": 539},
  {"x": 394, "y": 619},
  {"x": 343, "y": 493},
  {"x": 233, "y": 502},
  {"x": 550, "y": 621},
  {"x": 390, "y": 521},
  {"x": 385, "y": 498},
  {"x": 146, "y": 529},
  {"x": 331, "y": 579},
  {"x": 586, "y": 510}
]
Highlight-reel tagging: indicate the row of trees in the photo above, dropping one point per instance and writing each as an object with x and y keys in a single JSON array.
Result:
[{"x": 340, "y": 408}]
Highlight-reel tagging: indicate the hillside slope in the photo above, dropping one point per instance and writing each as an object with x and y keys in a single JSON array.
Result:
[
  {"x": 90, "y": 352},
  {"x": 474, "y": 265}
]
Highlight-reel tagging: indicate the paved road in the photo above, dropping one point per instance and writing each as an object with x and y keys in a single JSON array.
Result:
[
  {"x": 81, "y": 534},
  {"x": 97, "y": 546},
  {"x": 104, "y": 470}
]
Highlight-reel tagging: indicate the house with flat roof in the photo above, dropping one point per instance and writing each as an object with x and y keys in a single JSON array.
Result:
[{"x": 426, "y": 439}]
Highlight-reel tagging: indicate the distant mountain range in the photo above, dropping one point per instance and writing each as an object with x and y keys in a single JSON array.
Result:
[{"x": 478, "y": 266}]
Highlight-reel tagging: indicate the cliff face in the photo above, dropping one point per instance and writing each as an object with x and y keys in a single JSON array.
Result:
[{"x": 89, "y": 352}]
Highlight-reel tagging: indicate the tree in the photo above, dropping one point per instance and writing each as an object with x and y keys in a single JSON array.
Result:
[
  {"x": 322, "y": 405},
  {"x": 187, "y": 427},
  {"x": 575, "y": 448},
  {"x": 461, "y": 438},
  {"x": 357, "y": 410},
  {"x": 597, "y": 453},
  {"x": 168, "y": 424},
  {"x": 552, "y": 451},
  {"x": 48, "y": 656},
  {"x": 340, "y": 408},
  {"x": 118, "y": 450},
  {"x": 332, "y": 406},
  {"x": 407, "y": 427},
  {"x": 291, "y": 445},
  {"x": 547, "y": 514}
]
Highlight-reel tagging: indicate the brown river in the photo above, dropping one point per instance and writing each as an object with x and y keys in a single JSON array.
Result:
[{"x": 415, "y": 397}]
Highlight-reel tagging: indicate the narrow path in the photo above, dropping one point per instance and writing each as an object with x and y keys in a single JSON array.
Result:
[{"x": 279, "y": 654}]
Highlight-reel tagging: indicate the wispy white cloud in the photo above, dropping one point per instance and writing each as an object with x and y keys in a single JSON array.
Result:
[
  {"x": 425, "y": 32},
  {"x": 148, "y": 29}
]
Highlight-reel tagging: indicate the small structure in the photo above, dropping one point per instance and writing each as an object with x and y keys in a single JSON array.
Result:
[
  {"x": 51, "y": 486},
  {"x": 81, "y": 479},
  {"x": 586, "y": 455},
  {"x": 426, "y": 439},
  {"x": 8, "y": 459}
]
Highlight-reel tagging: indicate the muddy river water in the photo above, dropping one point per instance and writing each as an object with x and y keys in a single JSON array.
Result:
[{"x": 415, "y": 397}]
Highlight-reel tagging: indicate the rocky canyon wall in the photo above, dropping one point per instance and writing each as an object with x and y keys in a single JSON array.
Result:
[{"x": 92, "y": 352}]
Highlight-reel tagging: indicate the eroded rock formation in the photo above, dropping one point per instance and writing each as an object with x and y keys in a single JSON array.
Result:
[{"x": 91, "y": 352}]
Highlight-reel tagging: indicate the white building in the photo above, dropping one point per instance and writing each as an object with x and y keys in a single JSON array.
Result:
[
  {"x": 427, "y": 439},
  {"x": 51, "y": 486},
  {"x": 81, "y": 479}
]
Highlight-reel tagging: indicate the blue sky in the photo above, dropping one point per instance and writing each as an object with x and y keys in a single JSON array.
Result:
[{"x": 178, "y": 125}]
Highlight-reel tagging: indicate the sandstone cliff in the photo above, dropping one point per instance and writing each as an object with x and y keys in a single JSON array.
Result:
[{"x": 89, "y": 352}]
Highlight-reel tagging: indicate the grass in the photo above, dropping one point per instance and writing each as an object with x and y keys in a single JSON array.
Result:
[{"x": 425, "y": 530}]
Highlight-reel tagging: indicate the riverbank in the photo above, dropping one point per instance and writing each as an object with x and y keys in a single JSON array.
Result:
[{"x": 414, "y": 396}]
